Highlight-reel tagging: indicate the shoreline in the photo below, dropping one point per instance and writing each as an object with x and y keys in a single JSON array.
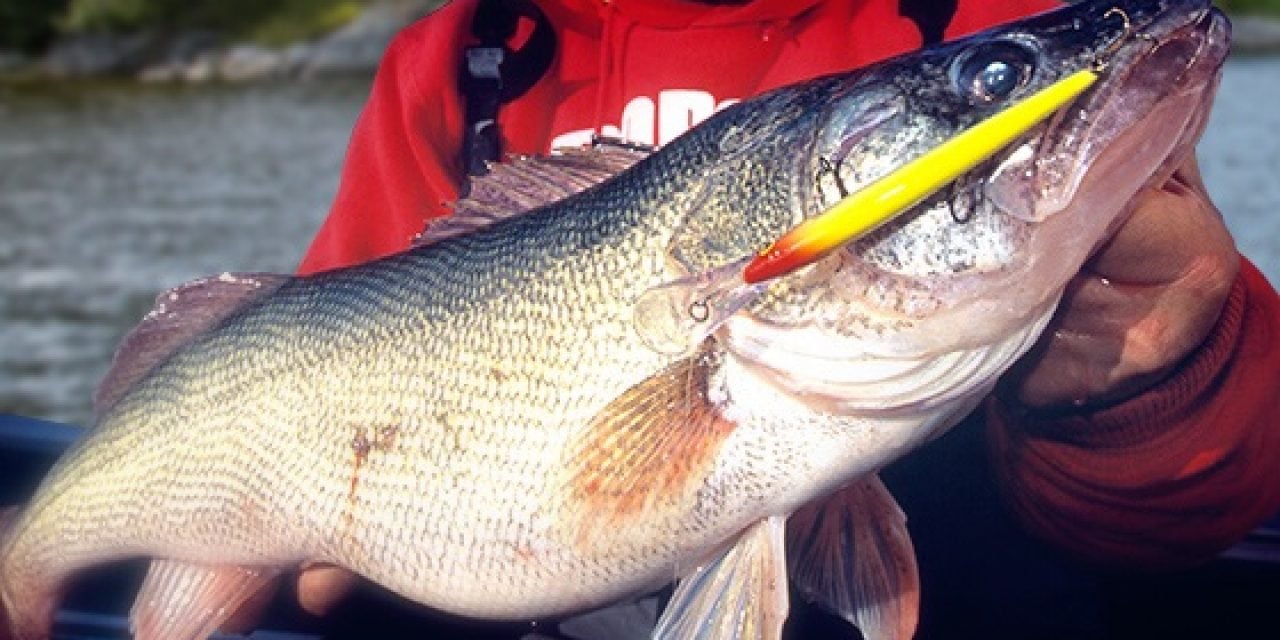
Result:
[
  {"x": 196, "y": 57},
  {"x": 355, "y": 49},
  {"x": 1255, "y": 35}
]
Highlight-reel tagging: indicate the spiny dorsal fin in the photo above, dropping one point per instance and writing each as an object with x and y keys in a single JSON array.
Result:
[
  {"x": 511, "y": 188},
  {"x": 179, "y": 314},
  {"x": 647, "y": 449}
]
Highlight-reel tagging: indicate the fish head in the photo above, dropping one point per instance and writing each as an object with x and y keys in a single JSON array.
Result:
[{"x": 937, "y": 303}]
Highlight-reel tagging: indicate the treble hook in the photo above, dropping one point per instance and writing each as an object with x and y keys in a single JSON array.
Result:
[{"x": 1101, "y": 61}]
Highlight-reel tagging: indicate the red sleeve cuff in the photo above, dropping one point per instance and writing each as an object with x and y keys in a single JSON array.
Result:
[{"x": 1169, "y": 477}]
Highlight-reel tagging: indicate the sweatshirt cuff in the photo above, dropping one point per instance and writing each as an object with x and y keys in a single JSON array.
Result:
[{"x": 1165, "y": 479}]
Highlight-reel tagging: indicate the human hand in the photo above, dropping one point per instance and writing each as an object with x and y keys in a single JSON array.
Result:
[
  {"x": 1143, "y": 301},
  {"x": 320, "y": 587}
]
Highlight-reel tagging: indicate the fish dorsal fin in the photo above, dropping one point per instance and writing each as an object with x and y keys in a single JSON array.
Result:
[
  {"x": 851, "y": 553},
  {"x": 179, "y": 314},
  {"x": 647, "y": 450},
  {"x": 511, "y": 188}
]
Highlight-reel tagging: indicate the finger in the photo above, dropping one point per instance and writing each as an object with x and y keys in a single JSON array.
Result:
[
  {"x": 1143, "y": 302},
  {"x": 321, "y": 586},
  {"x": 1172, "y": 231}
]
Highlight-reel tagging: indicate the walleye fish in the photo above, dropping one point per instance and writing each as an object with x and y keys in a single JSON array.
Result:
[{"x": 476, "y": 425}]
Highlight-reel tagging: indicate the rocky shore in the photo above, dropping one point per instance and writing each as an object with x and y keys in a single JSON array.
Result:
[
  {"x": 203, "y": 56},
  {"x": 353, "y": 49},
  {"x": 1253, "y": 34}
]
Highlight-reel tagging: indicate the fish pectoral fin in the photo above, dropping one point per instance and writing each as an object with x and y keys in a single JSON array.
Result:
[
  {"x": 742, "y": 593},
  {"x": 851, "y": 553},
  {"x": 647, "y": 451},
  {"x": 185, "y": 601}
]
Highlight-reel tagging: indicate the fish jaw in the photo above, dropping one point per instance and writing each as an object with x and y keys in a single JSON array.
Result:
[
  {"x": 839, "y": 378},
  {"x": 1172, "y": 49},
  {"x": 914, "y": 352},
  {"x": 1142, "y": 120},
  {"x": 987, "y": 255}
]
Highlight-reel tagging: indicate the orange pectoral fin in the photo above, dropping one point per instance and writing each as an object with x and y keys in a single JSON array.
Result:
[{"x": 649, "y": 448}]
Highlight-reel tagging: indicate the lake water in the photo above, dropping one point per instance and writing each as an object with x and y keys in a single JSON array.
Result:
[{"x": 109, "y": 195}]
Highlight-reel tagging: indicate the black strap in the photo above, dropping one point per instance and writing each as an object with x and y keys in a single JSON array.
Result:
[
  {"x": 493, "y": 74},
  {"x": 931, "y": 17}
]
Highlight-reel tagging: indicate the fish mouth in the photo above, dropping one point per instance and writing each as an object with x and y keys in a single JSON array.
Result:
[
  {"x": 1159, "y": 76},
  {"x": 1159, "y": 63}
]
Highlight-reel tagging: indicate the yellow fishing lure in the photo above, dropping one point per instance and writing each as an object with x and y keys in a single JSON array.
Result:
[
  {"x": 675, "y": 316},
  {"x": 882, "y": 200}
]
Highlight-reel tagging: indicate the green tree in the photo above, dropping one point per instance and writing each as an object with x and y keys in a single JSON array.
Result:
[
  {"x": 29, "y": 25},
  {"x": 1253, "y": 7},
  {"x": 272, "y": 20}
]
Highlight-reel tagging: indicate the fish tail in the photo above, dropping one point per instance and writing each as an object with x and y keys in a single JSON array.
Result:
[
  {"x": 8, "y": 518},
  {"x": 25, "y": 613}
]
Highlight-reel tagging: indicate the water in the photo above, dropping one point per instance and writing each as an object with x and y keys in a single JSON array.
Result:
[
  {"x": 1240, "y": 158},
  {"x": 109, "y": 195}
]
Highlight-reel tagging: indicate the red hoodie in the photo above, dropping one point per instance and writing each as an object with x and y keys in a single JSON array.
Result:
[
  {"x": 1169, "y": 477},
  {"x": 646, "y": 69}
]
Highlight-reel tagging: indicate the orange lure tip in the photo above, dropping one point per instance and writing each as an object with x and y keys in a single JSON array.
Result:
[{"x": 786, "y": 254}]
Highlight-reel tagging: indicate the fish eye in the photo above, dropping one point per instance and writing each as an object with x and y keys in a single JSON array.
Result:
[{"x": 993, "y": 71}]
